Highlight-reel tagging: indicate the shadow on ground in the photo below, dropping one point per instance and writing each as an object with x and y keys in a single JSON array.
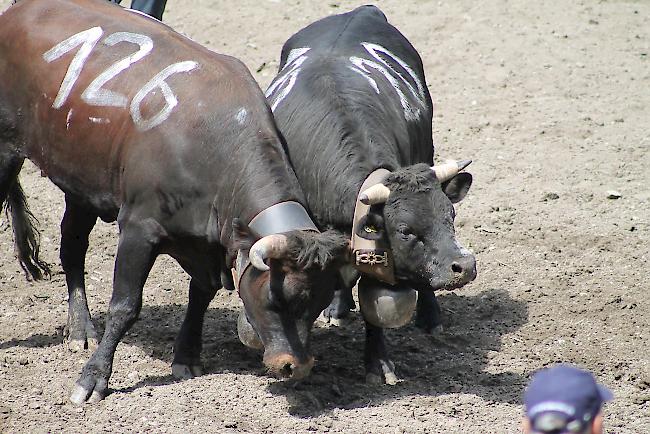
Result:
[{"x": 452, "y": 361}]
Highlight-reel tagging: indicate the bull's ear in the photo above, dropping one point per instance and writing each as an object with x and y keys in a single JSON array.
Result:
[
  {"x": 371, "y": 226},
  {"x": 242, "y": 235},
  {"x": 457, "y": 187}
]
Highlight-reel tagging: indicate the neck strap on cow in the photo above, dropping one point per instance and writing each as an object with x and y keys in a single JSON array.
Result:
[
  {"x": 371, "y": 257},
  {"x": 282, "y": 217},
  {"x": 276, "y": 219}
]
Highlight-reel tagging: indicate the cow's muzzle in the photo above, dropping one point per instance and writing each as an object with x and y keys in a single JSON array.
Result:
[{"x": 289, "y": 367}]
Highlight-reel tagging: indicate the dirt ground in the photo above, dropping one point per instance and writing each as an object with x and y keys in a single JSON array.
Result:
[{"x": 551, "y": 99}]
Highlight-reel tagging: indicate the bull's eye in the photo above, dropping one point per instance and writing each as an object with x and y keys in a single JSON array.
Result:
[{"x": 370, "y": 229}]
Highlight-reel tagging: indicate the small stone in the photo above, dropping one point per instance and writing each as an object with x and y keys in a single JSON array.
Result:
[
  {"x": 23, "y": 360},
  {"x": 133, "y": 376},
  {"x": 550, "y": 196},
  {"x": 34, "y": 405},
  {"x": 613, "y": 194}
]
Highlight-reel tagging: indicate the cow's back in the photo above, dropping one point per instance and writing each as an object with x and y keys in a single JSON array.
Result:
[
  {"x": 350, "y": 97},
  {"x": 84, "y": 117}
]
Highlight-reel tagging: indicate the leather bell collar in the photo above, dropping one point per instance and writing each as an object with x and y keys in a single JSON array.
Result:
[
  {"x": 371, "y": 257},
  {"x": 276, "y": 219}
]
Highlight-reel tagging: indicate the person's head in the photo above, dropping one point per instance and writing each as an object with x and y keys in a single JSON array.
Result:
[{"x": 564, "y": 400}]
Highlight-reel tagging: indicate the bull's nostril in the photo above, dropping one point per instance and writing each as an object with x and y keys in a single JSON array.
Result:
[
  {"x": 287, "y": 370},
  {"x": 456, "y": 268}
]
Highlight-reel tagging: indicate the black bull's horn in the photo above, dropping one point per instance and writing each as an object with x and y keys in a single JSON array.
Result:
[
  {"x": 271, "y": 246},
  {"x": 379, "y": 193}
]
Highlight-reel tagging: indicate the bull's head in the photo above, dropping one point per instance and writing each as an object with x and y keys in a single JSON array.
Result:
[
  {"x": 291, "y": 280},
  {"x": 413, "y": 209}
]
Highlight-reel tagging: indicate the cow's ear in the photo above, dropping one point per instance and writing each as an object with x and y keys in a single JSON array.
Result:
[
  {"x": 371, "y": 226},
  {"x": 243, "y": 237},
  {"x": 457, "y": 187}
]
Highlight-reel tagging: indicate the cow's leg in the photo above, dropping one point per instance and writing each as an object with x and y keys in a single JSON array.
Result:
[
  {"x": 379, "y": 367},
  {"x": 428, "y": 316},
  {"x": 340, "y": 307},
  {"x": 136, "y": 253},
  {"x": 342, "y": 302},
  {"x": 154, "y": 8},
  {"x": 187, "y": 349},
  {"x": 75, "y": 228}
]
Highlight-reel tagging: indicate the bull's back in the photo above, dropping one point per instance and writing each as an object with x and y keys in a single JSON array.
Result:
[{"x": 88, "y": 86}]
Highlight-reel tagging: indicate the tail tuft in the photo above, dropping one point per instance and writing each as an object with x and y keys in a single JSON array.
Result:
[{"x": 26, "y": 235}]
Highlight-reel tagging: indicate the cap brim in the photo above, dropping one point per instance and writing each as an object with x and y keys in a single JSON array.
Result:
[{"x": 605, "y": 393}]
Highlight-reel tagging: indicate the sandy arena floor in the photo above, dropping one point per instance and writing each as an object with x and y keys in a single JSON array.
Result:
[{"x": 550, "y": 99}]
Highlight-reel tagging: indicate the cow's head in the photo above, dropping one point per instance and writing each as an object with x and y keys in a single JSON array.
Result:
[
  {"x": 413, "y": 210},
  {"x": 291, "y": 279}
]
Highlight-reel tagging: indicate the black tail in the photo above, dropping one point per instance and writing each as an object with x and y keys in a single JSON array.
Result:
[{"x": 26, "y": 235}]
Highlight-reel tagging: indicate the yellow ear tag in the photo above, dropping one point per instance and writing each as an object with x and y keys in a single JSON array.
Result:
[{"x": 370, "y": 229}]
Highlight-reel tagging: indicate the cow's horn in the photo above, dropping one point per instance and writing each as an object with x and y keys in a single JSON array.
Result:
[
  {"x": 449, "y": 169},
  {"x": 378, "y": 193},
  {"x": 271, "y": 246}
]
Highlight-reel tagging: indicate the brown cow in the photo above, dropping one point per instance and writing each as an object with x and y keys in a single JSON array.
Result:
[{"x": 139, "y": 124}]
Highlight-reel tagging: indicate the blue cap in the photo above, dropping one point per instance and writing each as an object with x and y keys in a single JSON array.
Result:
[{"x": 563, "y": 399}]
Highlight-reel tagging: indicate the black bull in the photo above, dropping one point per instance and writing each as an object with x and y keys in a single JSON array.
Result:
[
  {"x": 139, "y": 124},
  {"x": 351, "y": 98}
]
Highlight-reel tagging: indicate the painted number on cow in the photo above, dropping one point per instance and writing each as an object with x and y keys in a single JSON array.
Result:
[
  {"x": 95, "y": 94},
  {"x": 383, "y": 63},
  {"x": 287, "y": 77}
]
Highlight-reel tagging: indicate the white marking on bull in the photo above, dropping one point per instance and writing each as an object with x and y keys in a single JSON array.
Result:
[
  {"x": 371, "y": 80},
  {"x": 87, "y": 39},
  {"x": 374, "y": 49},
  {"x": 360, "y": 65},
  {"x": 94, "y": 94},
  {"x": 67, "y": 119},
  {"x": 287, "y": 77},
  {"x": 99, "y": 120},
  {"x": 294, "y": 54},
  {"x": 158, "y": 81},
  {"x": 241, "y": 116},
  {"x": 364, "y": 73}
]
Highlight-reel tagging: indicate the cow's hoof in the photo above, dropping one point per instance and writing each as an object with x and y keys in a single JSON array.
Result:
[
  {"x": 78, "y": 340},
  {"x": 431, "y": 329},
  {"x": 81, "y": 395},
  {"x": 428, "y": 322},
  {"x": 387, "y": 378},
  {"x": 185, "y": 372},
  {"x": 336, "y": 319},
  {"x": 382, "y": 374},
  {"x": 338, "y": 312}
]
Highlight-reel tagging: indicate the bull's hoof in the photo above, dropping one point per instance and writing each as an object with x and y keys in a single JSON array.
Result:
[
  {"x": 382, "y": 374},
  {"x": 77, "y": 340},
  {"x": 430, "y": 329},
  {"x": 186, "y": 372},
  {"x": 388, "y": 378},
  {"x": 81, "y": 395},
  {"x": 338, "y": 312}
]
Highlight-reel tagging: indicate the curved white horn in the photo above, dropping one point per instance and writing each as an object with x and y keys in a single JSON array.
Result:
[
  {"x": 378, "y": 193},
  {"x": 449, "y": 169},
  {"x": 271, "y": 246}
]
